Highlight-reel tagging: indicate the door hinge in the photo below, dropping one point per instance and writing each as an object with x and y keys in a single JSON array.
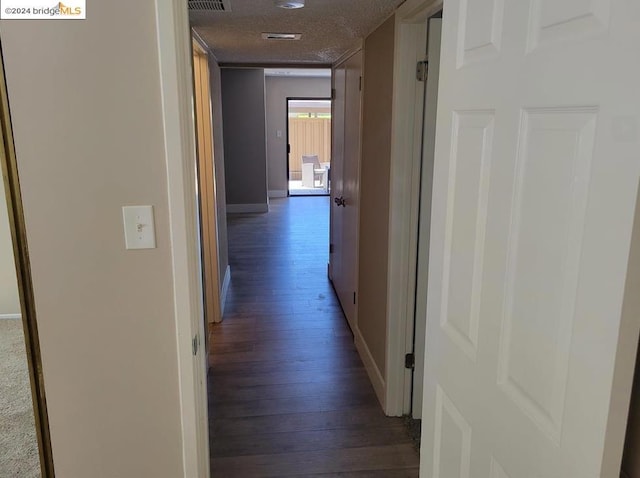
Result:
[
  {"x": 422, "y": 70},
  {"x": 288, "y": 149},
  {"x": 333, "y": 93},
  {"x": 330, "y": 248},
  {"x": 409, "y": 361},
  {"x": 354, "y": 298},
  {"x": 360, "y": 84},
  {"x": 195, "y": 343}
]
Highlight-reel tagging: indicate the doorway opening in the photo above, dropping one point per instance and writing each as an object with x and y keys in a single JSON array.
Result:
[
  {"x": 430, "y": 100},
  {"x": 309, "y": 146}
]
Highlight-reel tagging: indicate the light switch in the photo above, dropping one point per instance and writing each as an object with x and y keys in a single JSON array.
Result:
[{"x": 139, "y": 227}]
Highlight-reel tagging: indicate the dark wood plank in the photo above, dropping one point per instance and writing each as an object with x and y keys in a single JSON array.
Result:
[
  {"x": 370, "y": 416},
  {"x": 347, "y": 383},
  {"x": 312, "y": 440},
  {"x": 402, "y": 473},
  {"x": 288, "y": 394},
  {"x": 318, "y": 461},
  {"x": 323, "y": 364}
]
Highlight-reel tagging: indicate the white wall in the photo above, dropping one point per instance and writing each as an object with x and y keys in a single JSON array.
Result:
[
  {"x": 9, "y": 300},
  {"x": 278, "y": 89},
  {"x": 87, "y": 115}
]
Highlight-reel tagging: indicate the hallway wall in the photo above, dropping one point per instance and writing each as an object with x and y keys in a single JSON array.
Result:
[
  {"x": 374, "y": 190},
  {"x": 218, "y": 158},
  {"x": 87, "y": 116},
  {"x": 278, "y": 88},
  {"x": 9, "y": 299},
  {"x": 245, "y": 150}
]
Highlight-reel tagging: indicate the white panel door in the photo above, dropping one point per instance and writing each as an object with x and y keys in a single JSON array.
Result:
[
  {"x": 345, "y": 189},
  {"x": 536, "y": 173},
  {"x": 351, "y": 186},
  {"x": 337, "y": 161}
]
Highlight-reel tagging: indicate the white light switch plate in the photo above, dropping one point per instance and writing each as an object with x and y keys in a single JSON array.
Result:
[{"x": 139, "y": 227}]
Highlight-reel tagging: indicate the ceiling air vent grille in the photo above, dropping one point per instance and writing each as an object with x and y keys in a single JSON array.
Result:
[{"x": 209, "y": 5}]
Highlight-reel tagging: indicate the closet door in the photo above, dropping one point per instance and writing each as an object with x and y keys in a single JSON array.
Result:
[{"x": 345, "y": 189}]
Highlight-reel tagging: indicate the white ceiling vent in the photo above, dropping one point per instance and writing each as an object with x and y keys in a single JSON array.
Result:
[
  {"x": 209, "y": 5},
  {"x": 289, "y": 4},
  {"x": 281, "y": 36}
]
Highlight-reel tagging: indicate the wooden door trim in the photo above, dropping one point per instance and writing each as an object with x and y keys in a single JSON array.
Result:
[{"x": 206, "y": 180}]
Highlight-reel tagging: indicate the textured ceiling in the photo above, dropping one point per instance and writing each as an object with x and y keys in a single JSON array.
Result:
[{"x": 328, "y": 27}]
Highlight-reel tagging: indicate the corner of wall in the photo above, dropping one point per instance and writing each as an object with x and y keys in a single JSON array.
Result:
[{"x": 376, "y": 377}]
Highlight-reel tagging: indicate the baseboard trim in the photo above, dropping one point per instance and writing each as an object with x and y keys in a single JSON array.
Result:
[
  {"x": 225, "y": 288},
  {"x": 372, "y": 369},
  {"x": 278, "y": 193},
  {"x": 10, "y": 316},
  {"x": 247, "y": 208}
]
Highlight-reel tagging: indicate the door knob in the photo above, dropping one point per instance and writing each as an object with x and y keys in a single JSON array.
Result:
[{"x": 339, "y": 201}]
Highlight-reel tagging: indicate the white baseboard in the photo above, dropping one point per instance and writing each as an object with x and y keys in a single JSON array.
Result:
[
  {"x": 372, "y": 369},
  {"x": 10, "y": 316},
  {"x": 278, "y": 193},
  {"x": 225, "y": 288},
  {"x": 247, "y": 208}
]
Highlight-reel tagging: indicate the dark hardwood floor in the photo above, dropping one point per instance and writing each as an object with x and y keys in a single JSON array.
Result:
[{"x": 288, "y": 394}]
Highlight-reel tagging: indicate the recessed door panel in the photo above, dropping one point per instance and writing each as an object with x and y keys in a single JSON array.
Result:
[{"x": 469, "y": 165}]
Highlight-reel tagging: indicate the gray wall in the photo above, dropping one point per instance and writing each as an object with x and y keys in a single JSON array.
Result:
[
  {"x": 218, "y": 158},
  {"x": 374, "y": 189},
  {"x": 278, "y": 89},
  {"x": 245, "y": 152}
]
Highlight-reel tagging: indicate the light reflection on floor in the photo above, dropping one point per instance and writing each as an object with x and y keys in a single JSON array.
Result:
[{"x": 296, "y": 189}]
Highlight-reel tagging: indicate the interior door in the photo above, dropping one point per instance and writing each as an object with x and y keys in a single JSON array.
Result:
[
  {"x": 345, "y": 173},
  {"x": 337, "y": 158},
  {"x": 206, "y": 187},
  {"x": 424, "y": 227},
  {"x": 535, "y": 186}
]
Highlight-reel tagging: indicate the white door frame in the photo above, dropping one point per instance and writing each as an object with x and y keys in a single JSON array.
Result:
[
  {"x": 406, "y": 151},
  {"x": 174, "y": 51}
]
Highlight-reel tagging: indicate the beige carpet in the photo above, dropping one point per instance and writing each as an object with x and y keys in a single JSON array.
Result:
[{"x": 18, "y": 445}]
